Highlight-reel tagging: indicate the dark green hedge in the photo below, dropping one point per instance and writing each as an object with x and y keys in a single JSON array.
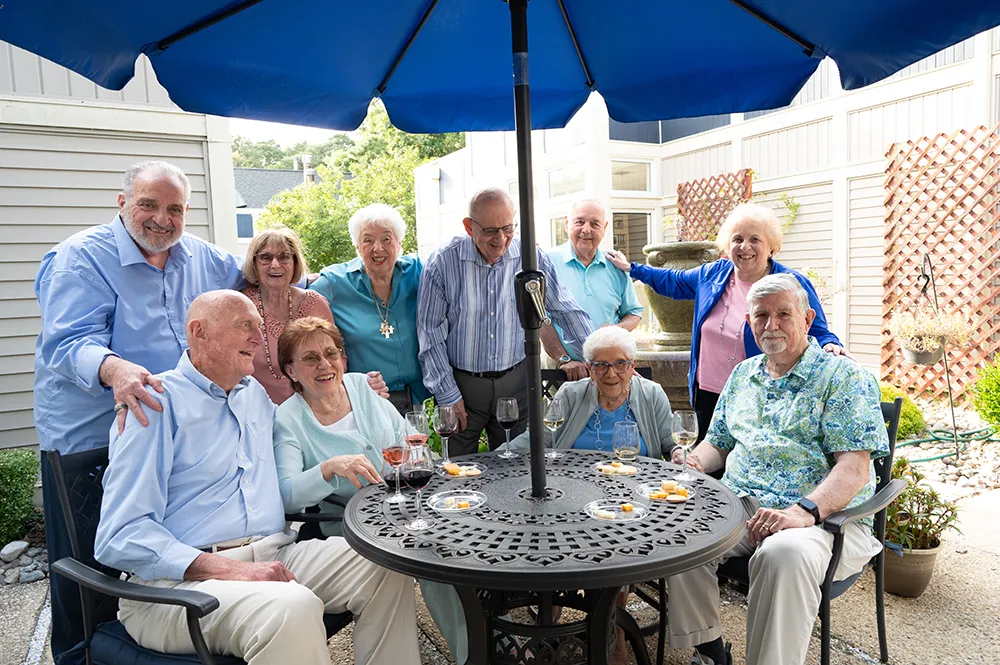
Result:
[{"x": 18, "y": 473}]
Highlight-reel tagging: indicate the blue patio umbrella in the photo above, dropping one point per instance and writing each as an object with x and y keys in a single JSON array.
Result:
[{"x": 444, "y": 65}]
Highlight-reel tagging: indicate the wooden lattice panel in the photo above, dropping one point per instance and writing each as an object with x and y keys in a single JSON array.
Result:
[
  {"x": 942, "y": 198},
  {"x": 702, "y": 205}
]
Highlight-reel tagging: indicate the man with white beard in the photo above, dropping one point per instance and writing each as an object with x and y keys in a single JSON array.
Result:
[{"x": 796, "y": 430}]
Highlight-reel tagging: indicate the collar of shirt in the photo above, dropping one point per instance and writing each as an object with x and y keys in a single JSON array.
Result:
[
  {"x": 802, "y": 370},
  {"x": 467, "y": 251},
  {"x": 569, "y": 256},
  {"x": 129, "y": 252},
  {"x": 203, "y": 383}
]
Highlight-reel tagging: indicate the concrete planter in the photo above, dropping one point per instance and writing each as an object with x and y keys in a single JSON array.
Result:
[
  {"x": 676, "y": 317},
  {"x": 909, "y": 575}
]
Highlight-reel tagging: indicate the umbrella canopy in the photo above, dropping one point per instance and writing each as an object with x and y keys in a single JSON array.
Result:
[{"x": 320, "y": 63}]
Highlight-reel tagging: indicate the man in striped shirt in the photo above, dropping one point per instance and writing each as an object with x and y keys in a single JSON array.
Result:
[{"x": 471, "y": 341}]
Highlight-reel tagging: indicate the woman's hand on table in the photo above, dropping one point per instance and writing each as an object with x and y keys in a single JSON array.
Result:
[
  {"x": 618, "y": 260},
  {"x": 837, "y": 350},
  {"x": 677, "y": 457},
  {"x": 377, "y": 384},
  {"x": 352, "y": 467}
]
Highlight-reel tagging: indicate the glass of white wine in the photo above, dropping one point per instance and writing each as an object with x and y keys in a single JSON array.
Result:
[
  {"x": 554, "y": 417},
  {"x": 625, "y": 441},
  {"x": 684, "y": 434}
]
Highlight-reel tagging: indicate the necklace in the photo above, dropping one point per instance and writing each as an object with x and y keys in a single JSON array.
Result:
[
  {"x": 722, "y": 323},
  {"x": 597, "y": 415},
  {"x": 263, "y": 329},
  {"x": 385, "y": 329}
]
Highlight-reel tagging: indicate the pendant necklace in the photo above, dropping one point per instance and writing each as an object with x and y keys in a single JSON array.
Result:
[
  {"x": 597, "y": 415},
  {"x": 385, "y": 329},
  {"x": 263, "y": 329},
  {"x": 722, "y": 323}
]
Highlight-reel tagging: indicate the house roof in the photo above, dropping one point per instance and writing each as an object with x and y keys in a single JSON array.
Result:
[{"x": 255, "y": 187}]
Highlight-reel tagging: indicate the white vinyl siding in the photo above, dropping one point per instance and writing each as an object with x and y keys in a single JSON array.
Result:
[
  {"x": 866, "y": 224},
  {"x": 710, "y": 161},
  {"x": 790, "y": 150}
]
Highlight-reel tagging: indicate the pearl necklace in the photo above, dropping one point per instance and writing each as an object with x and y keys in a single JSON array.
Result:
[
  {"x": 597, "y": 414},
  {"x": 263, "y": 329},
  {"x": 722, "y": 323}
]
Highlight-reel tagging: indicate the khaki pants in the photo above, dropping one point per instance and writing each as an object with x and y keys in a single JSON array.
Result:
[
  {"x": 282, "y": 622},
  {"x": 786, "y": 571}
]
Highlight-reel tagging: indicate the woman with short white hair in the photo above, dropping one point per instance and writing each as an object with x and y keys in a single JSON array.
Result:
[
  {"x": 374, "y": 301},
  {"x": 721, "y": 337}
]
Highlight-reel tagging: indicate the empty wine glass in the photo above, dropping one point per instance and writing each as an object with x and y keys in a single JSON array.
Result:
[
  {"x": 555, "y": 416},
  {"x": 393, "y": 448},
  {"x": 507, "y": 416},
  {"x": 417, "y": 470},
  {"x": 417, "y": 432},
  {"x": 684, "y": 433},
  {"x": 625, "y": 441},
  {"x": 445, "y": 421}
]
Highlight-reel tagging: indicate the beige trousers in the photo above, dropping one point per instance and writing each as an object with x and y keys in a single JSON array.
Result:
[
  {"x": 272, "y": 623},
  {"x": 786, "y": 571}
]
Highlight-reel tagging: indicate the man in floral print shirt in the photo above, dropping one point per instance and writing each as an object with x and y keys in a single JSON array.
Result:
[{"x": 796, "y": 430}]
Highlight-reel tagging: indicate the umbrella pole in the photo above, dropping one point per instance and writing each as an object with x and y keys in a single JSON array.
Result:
[{"x": 530, "y": 284}]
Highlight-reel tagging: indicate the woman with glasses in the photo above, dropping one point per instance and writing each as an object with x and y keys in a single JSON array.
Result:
[
  {"x": 274, "y": 262},
  {"x": 611, "y": 394}
]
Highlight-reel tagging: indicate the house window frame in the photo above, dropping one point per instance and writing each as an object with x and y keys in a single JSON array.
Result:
[{"x": 631, "y": 192}]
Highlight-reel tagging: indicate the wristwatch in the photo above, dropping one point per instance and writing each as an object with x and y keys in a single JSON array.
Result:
[
  {"x": 563, "y": 359},
  {"x": 809, "y": 506}
]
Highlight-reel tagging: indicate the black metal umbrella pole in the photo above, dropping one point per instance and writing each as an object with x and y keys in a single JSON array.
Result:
[{"x": 530, "y": 283}]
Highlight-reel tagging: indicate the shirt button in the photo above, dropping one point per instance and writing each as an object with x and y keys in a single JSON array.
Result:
[
  {"x": 368, "y": 447},
  {"x": 491, "y": 313},
  {"x": 491, "y": 290},
  {"x": 491, "y": 336}
]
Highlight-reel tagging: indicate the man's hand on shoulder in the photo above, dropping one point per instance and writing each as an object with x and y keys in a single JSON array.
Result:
[
  {"x": 214, "y": 567},
  {"x": 127, "y": 381},
  {"x": 769, "y": 521}
]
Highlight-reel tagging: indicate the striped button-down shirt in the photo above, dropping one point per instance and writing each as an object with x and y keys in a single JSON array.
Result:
[{"x": 467, "y": 314}]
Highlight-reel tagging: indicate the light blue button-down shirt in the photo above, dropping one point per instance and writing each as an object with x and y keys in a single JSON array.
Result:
[
  {"x": 201, "y": 473},
  {"x": 467, "y": 314},
  {"x": 349, "y": 291},
  {"x": 603, "y": 291},
  {"x": 99, "y": 296}
]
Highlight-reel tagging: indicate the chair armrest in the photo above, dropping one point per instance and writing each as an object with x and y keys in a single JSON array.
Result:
[
  {"x": 836, "y": 522},
  {"x": 195, "y": 601},
  {"x": 319, "y": 518}
]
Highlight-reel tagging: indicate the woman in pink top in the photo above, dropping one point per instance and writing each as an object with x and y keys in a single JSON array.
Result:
[{"x": 274, "y": 262}]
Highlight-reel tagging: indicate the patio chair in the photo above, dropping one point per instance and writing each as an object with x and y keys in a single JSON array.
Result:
[
  {"x": 737, "y": 569},
  {"x": 78, "y": 479},
  {"x": 553, "y": 378}
]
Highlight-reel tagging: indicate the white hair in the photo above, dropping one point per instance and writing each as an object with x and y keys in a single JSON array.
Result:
[
  {"x": 751, "y": 212},
  {"x": 589, "y": 199},
  {"x": 488, "y": 196},
  {"x": 155, "y": 168},
  {"x": 609, "y": 337},
  {"x": 376, "y": 213},
  {"x": 770, "y": 285}
]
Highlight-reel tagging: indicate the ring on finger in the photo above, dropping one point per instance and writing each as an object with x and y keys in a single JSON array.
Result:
[{"x": 120, "y": 406}]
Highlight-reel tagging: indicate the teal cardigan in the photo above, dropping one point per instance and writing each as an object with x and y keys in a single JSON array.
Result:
[{"x": 301, "y": 445}]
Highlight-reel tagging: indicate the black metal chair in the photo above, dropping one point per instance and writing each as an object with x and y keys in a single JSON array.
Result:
[
  {"x": 553, "y": 378},
  {"x": 79, "y": 484},
  {"x": 737, "y": 569}
]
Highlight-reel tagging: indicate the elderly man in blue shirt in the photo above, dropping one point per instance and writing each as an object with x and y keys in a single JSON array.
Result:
[
  {"x": 604, "y": 292},
  {"x": 796, "y": 430},
  {"x": 471, "y": 340},
  {"x": 192, "y": 501}
]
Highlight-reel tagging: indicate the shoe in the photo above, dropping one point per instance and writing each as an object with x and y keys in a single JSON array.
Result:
[{"x": 698, "y": 659}]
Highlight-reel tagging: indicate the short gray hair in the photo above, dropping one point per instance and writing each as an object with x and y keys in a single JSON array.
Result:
[
  {"x": 376, "y": 213},
  {"x": 488, "y": 196},
  {"x": 157, "y": 169},
  {"x": 754, "y": 212},
  {"x": 770, "y": 285},
  {"x": 589, "y": 199},
  {"x": 609, "y": 337}
]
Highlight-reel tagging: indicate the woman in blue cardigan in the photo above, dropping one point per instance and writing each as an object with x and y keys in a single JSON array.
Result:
[{"x": 721, "y": 337}]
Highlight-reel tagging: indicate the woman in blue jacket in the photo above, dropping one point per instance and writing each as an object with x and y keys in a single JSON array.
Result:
[{"x": 721, "y": 338}]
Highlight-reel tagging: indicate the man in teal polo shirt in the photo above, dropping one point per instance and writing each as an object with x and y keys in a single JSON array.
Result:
[{"x": 606, "y": 294}]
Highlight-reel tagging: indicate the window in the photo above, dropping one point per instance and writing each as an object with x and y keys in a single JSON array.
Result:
[
  {"x": 630, "y": 176},
  {"x": 559, "y": 235},
  {"x": 244, "y": 225},
  {"x": 631, "y": 234},
  {"x": 567, "y": 180}
]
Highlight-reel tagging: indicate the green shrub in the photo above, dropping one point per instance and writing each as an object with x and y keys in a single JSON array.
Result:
[
  {"x": 434, "y": 440},
  {"x": 986, "y": 394},
  {"x": 911, "y": 420},
  {"x": 18, "y": 473}
]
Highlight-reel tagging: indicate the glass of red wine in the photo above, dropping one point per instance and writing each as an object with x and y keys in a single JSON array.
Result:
[
  {"x": 393, "y": 449},
  {"x": 507, "y": 417},
  {"x": 418, "y": 467},
  {"x": 445, "y": 421}
]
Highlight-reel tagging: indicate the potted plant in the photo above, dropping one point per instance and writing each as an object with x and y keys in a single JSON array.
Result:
[
  {"x": 924, "y": 334},
  {"x": 914, "y": 524}
]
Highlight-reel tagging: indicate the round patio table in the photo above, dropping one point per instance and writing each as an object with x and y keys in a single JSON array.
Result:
[{"x": 518, "y": 551}]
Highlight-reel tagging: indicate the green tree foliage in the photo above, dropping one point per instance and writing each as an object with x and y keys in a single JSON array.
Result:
[
  {"x": 376, "y": 168},
  {"x": 911, "y": 419},
  {"x": 986, "y": 394},
  {"x": 269, "y": 155},
  {"x": 18, "y": 473}
]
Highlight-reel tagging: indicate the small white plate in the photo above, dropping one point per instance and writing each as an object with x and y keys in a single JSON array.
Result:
[
  {"x": 463, "y": 465},
  {"x": 644, "y": 490},
  {"x": 595, "y": 468},
  {"x": 596, "y": 510},
  {"x": 440, "y": 501}
]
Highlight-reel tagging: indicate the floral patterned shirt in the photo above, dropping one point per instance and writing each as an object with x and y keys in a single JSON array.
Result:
[{"x": 782, "y": 433}]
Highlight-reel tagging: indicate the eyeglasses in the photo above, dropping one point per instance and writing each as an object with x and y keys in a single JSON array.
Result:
[
  {"x": 494, "y": 231},
  {"x": 265, "y": 258},
  {"x": 332, "y": 355},
  {"x": 600, "y": 368}
]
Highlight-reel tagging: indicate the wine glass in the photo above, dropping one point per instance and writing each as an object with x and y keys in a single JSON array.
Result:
[
  {"x": 393, "y": 448},
  {"x": 625, "y": 441},
  {"x": 445, "y": 421},
  {"x": 417, "y": 470},
  {"x": 417, "y": 431},
  {"x": 554, "y": 417},
  {"x": 685, "y": 433},
  {"x": 507, "y": 416}
]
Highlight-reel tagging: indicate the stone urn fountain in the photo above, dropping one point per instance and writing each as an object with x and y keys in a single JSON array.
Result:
[{"x": 676, "y": 317}]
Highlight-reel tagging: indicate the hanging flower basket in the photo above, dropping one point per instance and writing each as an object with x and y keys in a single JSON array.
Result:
[
  {"x": 924, "y": 334},
  {"x": 923, "y": 357}
]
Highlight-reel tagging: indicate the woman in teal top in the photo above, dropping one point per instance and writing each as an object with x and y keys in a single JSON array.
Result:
[{"x": 373, "y": 299}]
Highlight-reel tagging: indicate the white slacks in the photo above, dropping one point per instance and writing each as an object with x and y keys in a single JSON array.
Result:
[
  {"x": 786, "y": 571},
  {"x": 274, "y": 623}
]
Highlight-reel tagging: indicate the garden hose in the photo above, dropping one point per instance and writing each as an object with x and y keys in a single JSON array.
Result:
[{"x": 946, "y": 436}]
